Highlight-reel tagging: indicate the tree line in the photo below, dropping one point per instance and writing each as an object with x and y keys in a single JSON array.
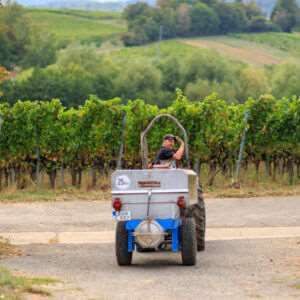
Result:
[
  {"x": 47, "y": 137},
  {"x": 80, "y": 71},
  {"x": 184, "y": 18}
]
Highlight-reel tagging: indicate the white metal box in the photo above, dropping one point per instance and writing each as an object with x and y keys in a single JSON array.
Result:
[{"x": 161, "y": 187}]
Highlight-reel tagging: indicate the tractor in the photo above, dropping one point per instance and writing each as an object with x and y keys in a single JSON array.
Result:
[{"x": 158, "y": 209}]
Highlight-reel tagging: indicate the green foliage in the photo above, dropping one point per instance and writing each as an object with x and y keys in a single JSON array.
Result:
[
  {"x": 78, "y": 138},
  {"x": 191, "y": 18},
  {"x": 285, "y": 80},
  {"x": 232, "y": 18},
  {"x": 21, "y": 43},
  {"x": 14, "y": 34},
  {"x": 204, "y": 20},
  {"x": 286, "y": 14},
  {"x": 14, "y": 287}
]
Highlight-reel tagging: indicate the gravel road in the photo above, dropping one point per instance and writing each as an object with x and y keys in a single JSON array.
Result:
[
  {"x": 248, "y": 268},
  {"x": 96, "y": 216}
]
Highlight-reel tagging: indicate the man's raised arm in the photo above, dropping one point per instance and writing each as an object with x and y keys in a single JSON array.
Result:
[{"x": 179, "y": 153}]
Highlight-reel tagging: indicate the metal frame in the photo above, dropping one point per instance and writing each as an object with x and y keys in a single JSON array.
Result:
[{"x": 144, "y": 144}]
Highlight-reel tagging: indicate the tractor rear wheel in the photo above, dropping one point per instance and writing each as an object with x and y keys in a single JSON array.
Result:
[
  {"x": 124, "y": 257},
  {"x": 188, "y": 242},
  {"x": 197, "y": 212}
]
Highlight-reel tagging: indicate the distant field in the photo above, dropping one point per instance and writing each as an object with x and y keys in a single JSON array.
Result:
[
  {"x": 77, "y": 25},
  {"x": 96, "y": 26},
  {"x": 154, "y": 50},
  {"x": 230, "y": 47},
  {"x": 234, "y": 49},
  {"x": 288, "y": 42},
  {"x": 239, "y": 49}
]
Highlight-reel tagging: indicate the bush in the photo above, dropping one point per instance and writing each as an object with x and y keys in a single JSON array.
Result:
[{"x": 261, "y": 24}]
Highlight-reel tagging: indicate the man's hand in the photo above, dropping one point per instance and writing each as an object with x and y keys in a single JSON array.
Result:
[{"x": 178, "y": 155}]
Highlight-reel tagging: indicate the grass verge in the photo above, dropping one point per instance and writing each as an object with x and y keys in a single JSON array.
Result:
[
  {"x": 7, "y": 249},
  {"x": 297, "y": 286},
  {"x": 14, "y": 287}
]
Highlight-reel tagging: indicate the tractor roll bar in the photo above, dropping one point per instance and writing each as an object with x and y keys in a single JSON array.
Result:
[{"x": 144, "y": 144}]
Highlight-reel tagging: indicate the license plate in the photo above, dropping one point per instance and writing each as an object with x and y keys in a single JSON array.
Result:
[{"x": 123, "y": 216}]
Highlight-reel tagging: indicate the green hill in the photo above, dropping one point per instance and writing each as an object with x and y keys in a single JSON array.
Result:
[
  {"x": 287, "y": 42},
  {"x": 77, "y": 25},
  {"x": 253, "y": 49}
]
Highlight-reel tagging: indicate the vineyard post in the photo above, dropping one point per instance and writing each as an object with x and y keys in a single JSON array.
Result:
[
  {"x": 62, "y": 174},
  {"x": 121, "y": 151},
  {"x": 241, "y": 151},
  {"x": 38, "y": 156}
]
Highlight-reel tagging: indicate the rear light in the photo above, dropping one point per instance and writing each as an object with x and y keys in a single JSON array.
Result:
[
  {"x": 117, "y": 204},
  {"x": 181, "y": 202}
]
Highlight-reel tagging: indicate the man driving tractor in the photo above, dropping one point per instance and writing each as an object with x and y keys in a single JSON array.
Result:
[{"x": 167, "y": 155}]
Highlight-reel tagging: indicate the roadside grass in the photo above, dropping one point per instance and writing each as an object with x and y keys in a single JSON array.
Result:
[
  {"x": 78, "y": 26},
  {"x": 296, "y": 286},
  {"x": 251, "y": 185},
  {"x": 252, "y": 190},
  {"x": 6, "y": 249},
  {"x": 14, "y": 287},
  {"x": 35, "y": 194}
]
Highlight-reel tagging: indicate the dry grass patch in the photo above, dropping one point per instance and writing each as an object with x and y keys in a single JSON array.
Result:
[
  {"x": 14, "y": 287},
  {"x": 6, "y": 249},
  {"x": 256, "y": 56}
]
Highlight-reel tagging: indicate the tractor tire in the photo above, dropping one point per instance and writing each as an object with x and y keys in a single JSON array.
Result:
[
  {"x": 188, "y": 242},
  {"x": 124, "y": 257},
  {"x": 197, "y": 211}
]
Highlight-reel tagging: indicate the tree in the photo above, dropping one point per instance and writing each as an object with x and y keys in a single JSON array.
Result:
[
  {"x": 40, "y": 50},
  {"x": 232, "y": 18},
  {"x": 261, "y": 24},
  {"x": 134, "y": 11},
  {"x": 166, "y": 18},
  {"x": 14, "y": 34},
  {"x": 253, "y": 82},
  {"x": 285, "y": 80},
  {"x": 286, "y": 14},
  {"x": 183, "y": 22},
  {"x": 22, "y": 44},
  {"x": 140, "y": 80},
  {"x": 204, "y": 21}
]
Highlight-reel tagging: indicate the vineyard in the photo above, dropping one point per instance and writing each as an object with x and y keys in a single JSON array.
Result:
[{"x": 45, "y": 137}]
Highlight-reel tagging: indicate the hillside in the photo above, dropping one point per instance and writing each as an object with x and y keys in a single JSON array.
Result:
[
  {"x": 255, "y": 49},
  {"x": 77, "y": 25}
]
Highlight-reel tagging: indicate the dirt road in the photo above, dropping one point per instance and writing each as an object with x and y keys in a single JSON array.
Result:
[{"x": 253, "y": 252}]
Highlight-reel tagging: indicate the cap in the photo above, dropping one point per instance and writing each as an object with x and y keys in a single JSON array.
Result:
[{"x": 169, "y": 137}]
